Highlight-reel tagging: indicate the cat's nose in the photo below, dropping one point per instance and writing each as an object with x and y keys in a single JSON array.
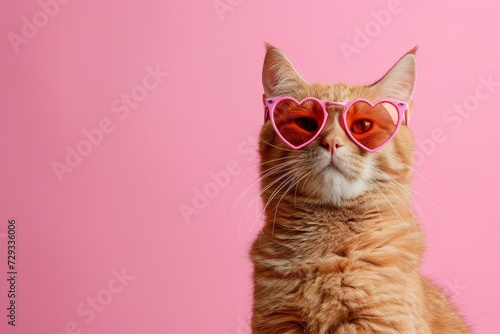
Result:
[{"x": 332, "y": 144}]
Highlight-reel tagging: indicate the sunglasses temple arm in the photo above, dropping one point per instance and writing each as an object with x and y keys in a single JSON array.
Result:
[
  {"x": 407, "y": 117},
  {"x": 266, "y": 113}
]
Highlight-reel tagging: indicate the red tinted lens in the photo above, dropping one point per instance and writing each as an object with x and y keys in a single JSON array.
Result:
[
  {"x": 298, "y": 123},
  {"x": 372, "y": 126}
]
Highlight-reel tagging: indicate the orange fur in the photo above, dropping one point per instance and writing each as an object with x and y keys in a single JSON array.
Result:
[{"x": 340, "y": 249}]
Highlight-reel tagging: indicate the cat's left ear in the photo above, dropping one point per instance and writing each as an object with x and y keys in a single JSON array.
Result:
[
  {"x": 399, "y": 82},
  {"x": 279, "y": 77}
]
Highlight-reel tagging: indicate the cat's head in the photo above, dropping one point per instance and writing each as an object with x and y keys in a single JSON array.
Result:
[{"x": 332, "y": 169}]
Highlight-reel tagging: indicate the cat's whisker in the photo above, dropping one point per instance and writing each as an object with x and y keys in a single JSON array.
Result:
[
  {"x": 266, "y": 205},
  {"x": 420, "y": 175},
  {"x": 252, "y": 170},
  {"x": 279, "y": 148},
  {"x": 261, "y": 163},
  {"x": 430, "y": 201},
  {"x": 287, "y": 174},
  {"x": 422, "y": 195},
  {"x": 378, "y": 209},
  {"x": 236, "y": 182},
  {"x": 407, "y": 191},
  {"x": 276, "y": 169},
  {"x": 406, "y": 203},
  {"x": 292, "y": 184},
  {"x": 307, "y": 175},
  {"x": 263, "y": 190},
  {"x": 275, "y": 193},
  {"x": 266, "y": 173},
  {"x": 281, "y": 186},
  {"x": 392, "y": 206},
  {"x": 314, "y": 192}
]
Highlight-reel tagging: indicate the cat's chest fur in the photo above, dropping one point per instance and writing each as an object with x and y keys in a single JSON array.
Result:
[{"x": 328, "y": 266}]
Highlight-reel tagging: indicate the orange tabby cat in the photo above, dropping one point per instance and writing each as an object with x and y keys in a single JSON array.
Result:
[{"x": 340, "y": 249}]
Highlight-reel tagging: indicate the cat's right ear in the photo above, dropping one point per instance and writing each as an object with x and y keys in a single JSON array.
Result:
[
  {"x": 399, "y": 81},
  {"x": 279, "y": 77}
]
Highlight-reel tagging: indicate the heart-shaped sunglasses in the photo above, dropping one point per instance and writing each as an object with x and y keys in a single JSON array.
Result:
[{"x": 370, "y": 126}]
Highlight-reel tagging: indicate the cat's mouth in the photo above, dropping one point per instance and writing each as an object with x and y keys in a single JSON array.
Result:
[
  {"x": 334, "y": 165},
  {"x": 334, "y": 161}
]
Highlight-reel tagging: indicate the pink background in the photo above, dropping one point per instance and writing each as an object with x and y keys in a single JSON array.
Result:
[{"x": 119, "y": 209}]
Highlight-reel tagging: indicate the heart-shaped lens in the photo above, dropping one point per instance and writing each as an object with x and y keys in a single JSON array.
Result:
[
  {"x": 372, "y": 126},
  {"x": 298, "y": 123}
]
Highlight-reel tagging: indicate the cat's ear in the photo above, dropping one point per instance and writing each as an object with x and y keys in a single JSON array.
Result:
[
  {"x": 399, "y": 82},
  {"x": 279, "y": 77}
]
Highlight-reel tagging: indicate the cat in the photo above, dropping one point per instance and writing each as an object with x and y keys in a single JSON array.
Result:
[{"x": 340, "y": 248}]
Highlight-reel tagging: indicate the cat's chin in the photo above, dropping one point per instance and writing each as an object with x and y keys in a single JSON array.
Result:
[
  {"x": 330, "y": 186},
  {"x": 336, "y": 182}
]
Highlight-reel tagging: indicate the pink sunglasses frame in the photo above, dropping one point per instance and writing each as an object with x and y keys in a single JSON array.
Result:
[{"x": 401, "y": 107}]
